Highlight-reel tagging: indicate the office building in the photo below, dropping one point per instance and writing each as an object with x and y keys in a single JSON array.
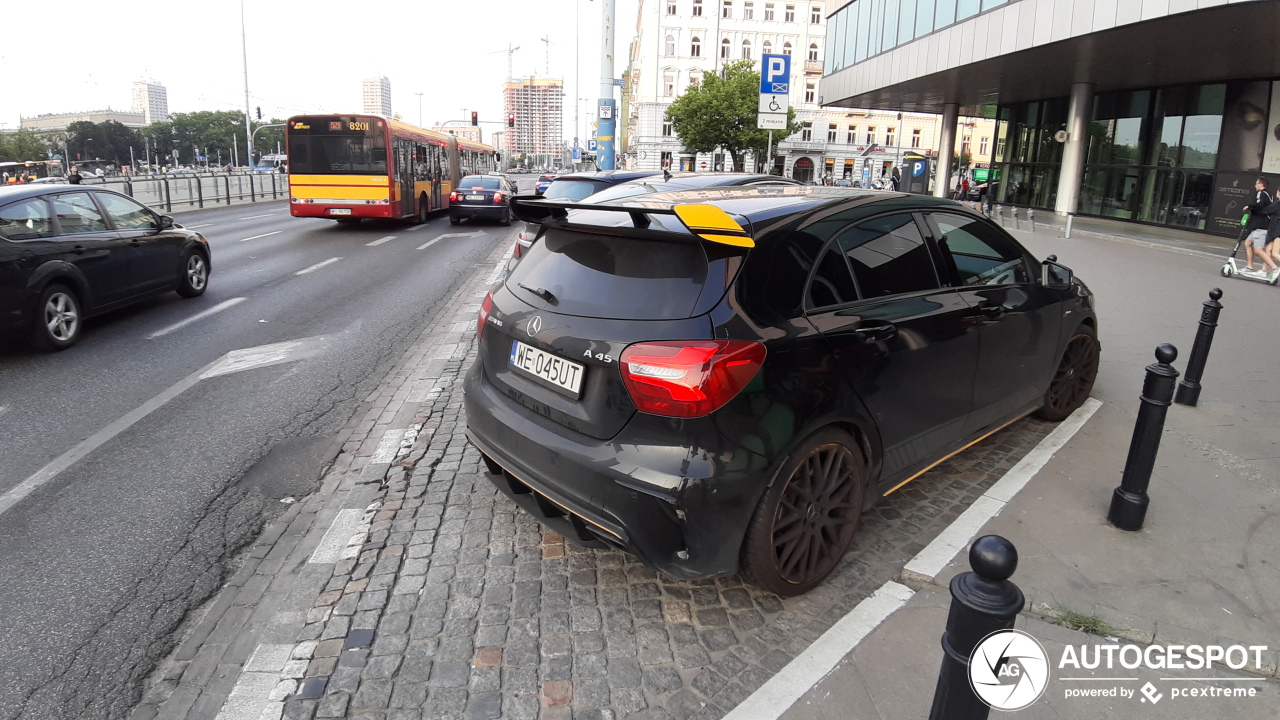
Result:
[
  {"x": 1152, "y": 112},
  {"x": 377, "y": 96},
  {"x": 60, "y": 121},
  {"x": 151, "y": 99},
  {"x": 469, "y": 132},
  {"x": 538, "y": 107}
]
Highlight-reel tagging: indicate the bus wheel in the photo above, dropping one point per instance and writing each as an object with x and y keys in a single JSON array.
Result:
[{"x": 423, "y": 207}]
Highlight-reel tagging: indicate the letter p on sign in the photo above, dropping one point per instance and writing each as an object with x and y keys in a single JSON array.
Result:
[{"x": 776, "y": 76}]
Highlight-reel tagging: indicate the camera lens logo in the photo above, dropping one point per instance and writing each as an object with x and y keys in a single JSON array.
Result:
[{"x": 1009, "y": 670}]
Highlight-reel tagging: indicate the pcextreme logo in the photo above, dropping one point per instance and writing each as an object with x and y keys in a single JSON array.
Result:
[{"x": 1010, "y": 670}]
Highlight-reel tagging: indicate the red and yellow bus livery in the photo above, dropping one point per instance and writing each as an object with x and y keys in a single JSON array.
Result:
[{"x": 347, "y": 167}]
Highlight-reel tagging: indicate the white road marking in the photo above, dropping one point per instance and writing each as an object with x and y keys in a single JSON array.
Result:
[
  {"x": 304, "y": 348},
  {"x": 379, "y": 241},
  {"x": 800, "y": 675},
  {"x": 438, "y": 238},
  {"x": 416, "y": 228},
  {"x": 317, "y": 266},
  {"x": 193, "y": 227},
  {"x": 793, "y": 681},
  {"x": 931, "y": 560},
  {"x": 336, "y": 537},
  {"x": 255, "y": 237},
  {"x": 255, "y": 217},
  {"x": 226, "y": 304},
  {"x": 250, "y": 358}
]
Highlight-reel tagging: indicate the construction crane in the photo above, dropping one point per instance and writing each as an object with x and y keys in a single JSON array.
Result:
[
  {"x": 510, "y": 51},
  {"x": 547, "y": 46}
]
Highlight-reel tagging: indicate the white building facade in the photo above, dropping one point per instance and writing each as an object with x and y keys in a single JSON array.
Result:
[
  {"x": 151, "y": 100},
  {"x": 377, "y": 96},
  {"x": 680, "y": 41}
]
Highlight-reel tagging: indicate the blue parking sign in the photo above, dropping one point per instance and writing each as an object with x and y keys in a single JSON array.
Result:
[{"x": 775, "y": 74}]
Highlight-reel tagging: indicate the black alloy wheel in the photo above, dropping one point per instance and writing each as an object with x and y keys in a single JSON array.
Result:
[
  {"x": 804, "y": 525},
  {"x": 1074, "y": 378},
  {"x": 58, "y": 319},
  {"x": 195, "y": 275}
]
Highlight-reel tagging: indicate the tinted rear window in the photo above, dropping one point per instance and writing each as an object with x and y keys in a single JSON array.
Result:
[
  {"x": 572, "y": 189},
  {"x": 613, "y": 277},
  {"x": 479, "y": 181}
]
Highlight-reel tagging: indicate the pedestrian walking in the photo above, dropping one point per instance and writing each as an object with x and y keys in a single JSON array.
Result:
[{"x": 74, "y": 177}]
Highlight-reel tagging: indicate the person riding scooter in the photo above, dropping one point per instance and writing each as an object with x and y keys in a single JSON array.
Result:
[{"x": 1263, "y": 214}]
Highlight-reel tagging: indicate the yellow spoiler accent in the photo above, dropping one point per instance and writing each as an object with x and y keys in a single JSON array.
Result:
[{"x": 711, "y": 223}]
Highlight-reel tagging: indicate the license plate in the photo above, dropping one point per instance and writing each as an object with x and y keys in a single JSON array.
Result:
[
  {"x": 339, "y": 211},
  {"x": 562, "y": 374},
  {"x": 475, "y": 197}
]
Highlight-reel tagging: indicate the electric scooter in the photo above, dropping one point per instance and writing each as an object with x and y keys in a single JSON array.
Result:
[{"x": 1230, "y": 269}]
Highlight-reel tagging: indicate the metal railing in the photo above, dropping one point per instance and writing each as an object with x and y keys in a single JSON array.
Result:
[{"x": 197, "y": 191}]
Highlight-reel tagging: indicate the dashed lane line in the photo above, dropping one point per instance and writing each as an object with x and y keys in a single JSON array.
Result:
[
  {"x": 317, "y": 266},
  {"x": 225, "y": 305},
  {"x": 255, "y": 237},
  {"x": 196, "y": 227},
  {"x": 379, "y": 241},
  {"x": 255, "y": 217}
]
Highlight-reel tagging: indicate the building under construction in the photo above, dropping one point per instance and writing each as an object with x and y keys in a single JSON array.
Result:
[{"x": 538, "y": 107}]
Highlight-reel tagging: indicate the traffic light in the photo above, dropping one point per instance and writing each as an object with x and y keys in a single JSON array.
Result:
[
  {"x": 475, "y": 118},
  {"x": 511, "y": 120},
  {"x": 259, "y": 112}
]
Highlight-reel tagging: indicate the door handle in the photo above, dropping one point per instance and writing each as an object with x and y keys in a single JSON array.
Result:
[
  {"x": 991, "y": 311},
  {"x": 875, "y": 333},
  {"x": 77, "y": 249}
]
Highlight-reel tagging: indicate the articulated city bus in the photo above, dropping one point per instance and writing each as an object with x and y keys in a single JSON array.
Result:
[{"x": 347, "y": 167}]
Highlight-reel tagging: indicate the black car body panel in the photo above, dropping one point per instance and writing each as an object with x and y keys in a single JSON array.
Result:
[{"x": 941, "y": 333}]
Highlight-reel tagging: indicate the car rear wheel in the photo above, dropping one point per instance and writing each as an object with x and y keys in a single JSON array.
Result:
[
  {"x": 195, "y": 275},
  {"x": 806, "y": 521},
  {"x": 58, "y": 319},
  {"x": 1074, "y": 378},
  {"x": 454, "y": 221},
  {"x": 506, "y": 218}
]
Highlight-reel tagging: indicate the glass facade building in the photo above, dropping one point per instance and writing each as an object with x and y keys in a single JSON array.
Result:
[
  {"x": 1154, "y": 155},
  {"x": 865, "y": 28}
]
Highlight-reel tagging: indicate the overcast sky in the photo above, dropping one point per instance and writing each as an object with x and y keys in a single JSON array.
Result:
[{"x": 303, "y": 56}]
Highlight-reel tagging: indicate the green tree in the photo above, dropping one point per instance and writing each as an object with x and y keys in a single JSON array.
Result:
[
  {"x": 267, "y": 140},
  {"x": 720, "y": 112},
  {"x": 26, "y": 144}
]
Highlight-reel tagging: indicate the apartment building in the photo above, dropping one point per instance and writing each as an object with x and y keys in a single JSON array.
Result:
[
  {"x": 151, "y": 100},
  {"x": 377, "y": 96},
  {"x": 538, "y": 107}
]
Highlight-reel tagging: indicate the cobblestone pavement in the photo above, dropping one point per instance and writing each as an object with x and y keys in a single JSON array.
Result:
[{"x": 451, "y": 602}]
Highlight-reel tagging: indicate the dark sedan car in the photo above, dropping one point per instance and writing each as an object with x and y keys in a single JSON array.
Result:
[
  {"x": 69, "y": 252},
  {"x": 482, "y": 197},
  {"x": 726, "y": 383}
]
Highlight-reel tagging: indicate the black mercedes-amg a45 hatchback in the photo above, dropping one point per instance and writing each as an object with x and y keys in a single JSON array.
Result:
[{"x": 725, "y": 380}]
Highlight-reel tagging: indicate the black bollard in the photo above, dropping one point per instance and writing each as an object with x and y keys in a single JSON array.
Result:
[
  {"x": 1129, "y": 501},
  {"x": 1188, "y": 392},
  {"x": 982, "y": 602}
]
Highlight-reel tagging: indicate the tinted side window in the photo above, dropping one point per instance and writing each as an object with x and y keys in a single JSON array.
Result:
[
  {"x": 888, "y": 256},
  {"x": 77, "y": 213},
  {"x": 981, "y": 256},
  {"x": 127, "y": 214},
  {"x": 26, "y": 220},
  {"x": 831, "y": 284}
]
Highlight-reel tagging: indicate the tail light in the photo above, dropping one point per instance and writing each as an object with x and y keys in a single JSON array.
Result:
[
  {"x": 485, "y": 308},
  {"x": 497, "y": 197},
  {"x": 690, "y": 378},
  {"x": 455, "y": 197}
]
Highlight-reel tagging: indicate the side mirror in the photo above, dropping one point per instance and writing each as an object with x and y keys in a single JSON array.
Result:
[
  {"x": 166, "y": 222},
  {"x": 1054, "y": 274}
]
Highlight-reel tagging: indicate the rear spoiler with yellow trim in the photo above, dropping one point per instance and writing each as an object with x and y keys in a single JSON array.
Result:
[{"x": 706, "y": 221}]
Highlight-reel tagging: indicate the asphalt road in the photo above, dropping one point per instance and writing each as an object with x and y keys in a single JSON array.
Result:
[{"x": 101, "y": 561}]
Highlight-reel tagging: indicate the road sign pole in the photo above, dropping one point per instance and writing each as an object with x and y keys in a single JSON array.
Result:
[
  {"x": 768, "y": 154},
  {"x": 605, "y": 155}
]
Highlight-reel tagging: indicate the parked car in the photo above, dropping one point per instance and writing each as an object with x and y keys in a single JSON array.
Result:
[
  {"x": 69, "y": 252},
  {"x": 721, "y": 384},
  {"x": 542, "y": 183},
  {"x": 648, "y": 182},
  {"x": 482, "y": 197}
]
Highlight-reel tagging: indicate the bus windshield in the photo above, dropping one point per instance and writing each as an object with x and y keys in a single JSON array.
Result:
[{"x": 337, "y": 146}]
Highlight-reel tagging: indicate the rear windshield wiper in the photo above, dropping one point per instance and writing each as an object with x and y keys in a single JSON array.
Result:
[{"x": 540, "y": 292}]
